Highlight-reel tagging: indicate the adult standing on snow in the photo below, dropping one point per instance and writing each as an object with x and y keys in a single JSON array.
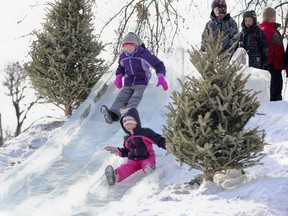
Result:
[
  {"x": 276, "y": 52},
  {"x": 221, "y": 22},
  {"x": 134, "y": 65}
]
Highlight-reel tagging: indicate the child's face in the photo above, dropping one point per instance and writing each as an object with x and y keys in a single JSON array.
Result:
[
  {"x": 248, "y": 22},
  {"x": 130, "y": 127},
  {"x": 216, "y": 11},
  {"x": 129, "y": 48}
]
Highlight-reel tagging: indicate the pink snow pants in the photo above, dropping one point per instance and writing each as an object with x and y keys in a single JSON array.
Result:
[{"x": 132, "y": 166}]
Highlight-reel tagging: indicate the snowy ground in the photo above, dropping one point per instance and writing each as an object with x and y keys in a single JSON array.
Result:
[{"x": 59, "y": 170}]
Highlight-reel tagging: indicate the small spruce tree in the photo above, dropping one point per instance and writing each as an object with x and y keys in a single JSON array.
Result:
[
  {"x": 206, "y": 119},
  {"x": 64, "y": 66}
]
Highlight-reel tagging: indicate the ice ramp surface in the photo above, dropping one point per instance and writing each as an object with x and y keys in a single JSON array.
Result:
[
  {"x": 259, "y": 80},
  {"x": 66, "y": 174}
]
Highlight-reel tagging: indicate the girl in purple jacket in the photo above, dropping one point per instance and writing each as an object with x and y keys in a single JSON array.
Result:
[
  {"x": 134, "y": 65},
  {"x": 137, "y": 146}
]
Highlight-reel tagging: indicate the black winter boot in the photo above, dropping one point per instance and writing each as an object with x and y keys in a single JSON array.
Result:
[
  {"x": 110, "y": 175},
  {"x": 107, "y": 114}
]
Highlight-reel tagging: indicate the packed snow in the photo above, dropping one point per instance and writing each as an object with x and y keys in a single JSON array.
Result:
[{"x": 57, "y": 168}]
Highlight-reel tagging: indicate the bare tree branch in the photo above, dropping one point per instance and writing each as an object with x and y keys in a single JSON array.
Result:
[
  {"x": 16, "y": 83},
  {"x": 157, "y": 23},
  {"x": 281, "y": 4}
]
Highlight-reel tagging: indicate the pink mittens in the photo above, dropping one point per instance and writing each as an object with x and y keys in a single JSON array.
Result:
[
  {"x": 118, "y": 81},
  {"x": 162, "y": 81}
]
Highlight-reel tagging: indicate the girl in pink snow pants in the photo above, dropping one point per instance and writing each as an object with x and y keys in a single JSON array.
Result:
[{"x": 138, "y": 147}]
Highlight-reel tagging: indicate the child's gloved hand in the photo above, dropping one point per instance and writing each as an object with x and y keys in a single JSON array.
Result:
[
  {"x": 168, "y": 151},
  {"x": 112, "y": 150},
  {"x": 118, "y": 81},
  {"x": 162, "y": 81}
]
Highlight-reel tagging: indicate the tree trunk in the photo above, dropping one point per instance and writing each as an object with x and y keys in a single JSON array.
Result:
[
  {"x": 18, "y": 129},
  {"x": 208, "y": 176},
  {"x": 68, "y": 109}
]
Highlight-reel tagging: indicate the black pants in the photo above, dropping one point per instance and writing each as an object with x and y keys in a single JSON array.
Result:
[{"x": 276, "y": 85}]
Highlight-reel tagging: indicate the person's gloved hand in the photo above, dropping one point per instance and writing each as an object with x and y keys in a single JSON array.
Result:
[
  {"x": 286, "y": 69},
  {"x": 118, "y": 81},
  {"x": 112, "y": 150},
  {"x": 162, "y": 81},
  {"x": 168, "y": 151}
]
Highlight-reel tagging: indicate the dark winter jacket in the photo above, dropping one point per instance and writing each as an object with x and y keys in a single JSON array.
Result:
[
  {"x": 276, "y": 48},
  {"x": 135, "y": 67},
  {"x": 254, "y": 41},
  {"x": 139, "y": 145},
  {"x": 286, "y": 57},
  {"x": 215, "y": 26}
]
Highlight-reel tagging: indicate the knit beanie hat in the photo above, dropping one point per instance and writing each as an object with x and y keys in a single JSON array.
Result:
[
  {"x": 131, "y": 38},
  {"x": 128, "y": 119},
  {"x": 221, "y": 5},
  {"x": 250, "y": 14}
]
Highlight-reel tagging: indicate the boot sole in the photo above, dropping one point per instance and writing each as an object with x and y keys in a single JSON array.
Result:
[
  {"x": 110, "y": 175},
  {"x": 106, "y": 114},
  {"x": 149, "y": 169}
]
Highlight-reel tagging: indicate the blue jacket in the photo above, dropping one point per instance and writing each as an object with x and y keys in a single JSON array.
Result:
[
  {"x": 139, "y": 145},
  {"x": 135, "y": 67}
]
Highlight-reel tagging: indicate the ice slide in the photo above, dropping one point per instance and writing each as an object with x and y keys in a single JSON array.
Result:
[{"x": 66, "y": 175}]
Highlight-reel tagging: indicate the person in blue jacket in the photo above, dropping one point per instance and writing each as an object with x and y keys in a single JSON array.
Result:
[
  {"x": 137, "y": 147},
  {"x": 134, "y": 66}
]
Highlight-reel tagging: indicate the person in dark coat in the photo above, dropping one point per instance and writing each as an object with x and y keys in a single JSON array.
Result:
[
  {"x": 220, "y": 22},
  {"x": 286, "y": 60},
  {"x": 254, "y": 41},
  {"x": 276, "y": 52},
  {"x": 137, "y": 147},
  {"x": 134, "y": 65}
]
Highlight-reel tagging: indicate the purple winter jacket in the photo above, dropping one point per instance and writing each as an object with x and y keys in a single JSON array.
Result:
[{"x": 135, "y": 67}]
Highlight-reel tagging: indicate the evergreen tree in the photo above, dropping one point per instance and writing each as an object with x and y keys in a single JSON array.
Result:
[
  {"x": 64, "y": 66},
  {"x": 207, "y": 118}
]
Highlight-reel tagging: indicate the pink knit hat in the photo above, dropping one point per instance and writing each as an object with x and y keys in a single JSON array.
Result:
[{"x": 128, "y": 119}]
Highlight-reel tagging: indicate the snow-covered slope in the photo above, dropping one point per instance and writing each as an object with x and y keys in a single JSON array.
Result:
[
  {"x": 75, "y": 154},
  {"x": 66, "y": 175}
]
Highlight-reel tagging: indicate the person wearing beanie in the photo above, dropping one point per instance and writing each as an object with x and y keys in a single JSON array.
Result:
[
  {"x": 137, "y": 147},
  {"x": 220, "y": 22},
  {"x": 220, "y": 8},
  {"x": 253, "y": 40},
  {"x": 134, "y": 64},
  {"x": 276, "y": 52},
  {"x": 129, "y": 120},
  {"x": 131, "y": 39}
]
